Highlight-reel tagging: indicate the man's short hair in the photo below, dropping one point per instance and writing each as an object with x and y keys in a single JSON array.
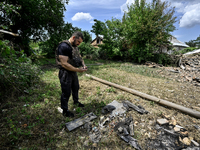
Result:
[{"x": 78, "y": 34}]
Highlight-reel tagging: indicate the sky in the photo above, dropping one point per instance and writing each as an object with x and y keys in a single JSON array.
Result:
[{"x": 81, "y": 13}]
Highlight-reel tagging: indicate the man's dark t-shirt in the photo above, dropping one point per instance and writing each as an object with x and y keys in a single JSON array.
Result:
[{"x": 65, "y": 50}]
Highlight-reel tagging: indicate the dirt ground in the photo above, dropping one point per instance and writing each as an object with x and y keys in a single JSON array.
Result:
[{"x": 169, "y": 89}]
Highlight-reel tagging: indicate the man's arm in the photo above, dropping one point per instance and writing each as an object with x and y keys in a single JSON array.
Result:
[
  {"x": 84, "y": 66},
  {"x": 64, "y": 62}
]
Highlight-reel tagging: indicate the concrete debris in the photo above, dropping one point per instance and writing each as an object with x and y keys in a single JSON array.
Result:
[
  {"x": 197, "y": 127},
  {"x": 185, "y": 140},
  {"x": 195, "y": 143},
  {"x": 169, "y": 134},
  {"x": 188, "y": 69},
  {"x": 120, "y": 109},
  {"x": 103, "y": 122},
  {"x": 172, "y": 137},
  {"x": 176, "y": 129},
  {"x": 162, "y": 121},
  {"x": 95, "y": 137},
  {"x": 173, "y": 121},
  {"x": 80, "y": 121},
  {"x": 131, "y": 128},
  {"x": 123, "y": 129},
  {"x": 174, "y": 71},
  {"x": 59, "y": 109},
  {"x": 120, "y": 129}
]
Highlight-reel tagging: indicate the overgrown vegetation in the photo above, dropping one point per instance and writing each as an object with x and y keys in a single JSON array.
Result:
[
  {"x": 144, "y": 29},
  {"x": 185, "y": 50},
  {"x": 17, "y": 73}
]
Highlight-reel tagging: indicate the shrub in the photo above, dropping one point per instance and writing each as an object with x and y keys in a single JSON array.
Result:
[
  {"x": 17, "y": 73},
  {"x": 162, "y": 58}
]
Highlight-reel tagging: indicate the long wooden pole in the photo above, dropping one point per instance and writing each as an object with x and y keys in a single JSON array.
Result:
[{"x": 188, "y": 111}]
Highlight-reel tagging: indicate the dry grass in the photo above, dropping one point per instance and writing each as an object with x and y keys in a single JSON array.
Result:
[{"x": 33, "y": 122}]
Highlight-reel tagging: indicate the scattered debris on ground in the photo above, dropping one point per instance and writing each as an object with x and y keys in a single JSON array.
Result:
[
  {"x": 169, "y": 135},
  {"x": 188, "y": 70}
]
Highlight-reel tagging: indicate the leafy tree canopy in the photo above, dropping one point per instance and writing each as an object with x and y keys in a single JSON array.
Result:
[
  {"x": 144, "y": 29},
  {"x": 194, "y": 43},
  {"x": 147, "y": 27},
  {"x": 98, "y": 27},
  {"x": 34, "y": 18},
  {"x": 87, "y": 37}
]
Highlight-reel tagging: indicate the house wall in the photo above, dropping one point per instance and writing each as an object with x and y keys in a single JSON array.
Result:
[{"x": 96, "y": 42}]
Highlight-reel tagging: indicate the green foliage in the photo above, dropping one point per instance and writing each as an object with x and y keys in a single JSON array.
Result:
[
  {"x": 147, "y": 27},
  {"x": 63, "y": 33},
  {"x": 110, "y": 90},
  {"x": 185, "y": 50},
  {"x": 8, "y": 10},
  {"x": 87, "y": 50},
  {"x": 87, "y": 37},
  {"x": 161, "y": 58},
  {"x": 197, "y": 41},
  {"x": 113, "y": 39},
  {"x": 17, "y": 73},
  {"x": 98, "y": 27},
  {"x": 36, "y": 19},
  {"x": 191, "y": 43},
  {"x": 194, "y": 43},
  {"x": 144, "y": 29}
]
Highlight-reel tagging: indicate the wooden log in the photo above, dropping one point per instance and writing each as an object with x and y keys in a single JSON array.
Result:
[{"x": 188, "y": 111}]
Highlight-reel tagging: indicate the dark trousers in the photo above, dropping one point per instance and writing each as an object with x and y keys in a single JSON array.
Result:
[{"x": 69, "y": 84}]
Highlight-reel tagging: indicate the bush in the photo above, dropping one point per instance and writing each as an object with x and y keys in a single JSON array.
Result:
[
  {"x": 162, "y": 58},
  {"x": 87, "y": 50},
  {"x": 17, "y": 73}
]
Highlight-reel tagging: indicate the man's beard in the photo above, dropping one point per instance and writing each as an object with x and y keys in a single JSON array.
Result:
[{"x": 73, "y": 43}]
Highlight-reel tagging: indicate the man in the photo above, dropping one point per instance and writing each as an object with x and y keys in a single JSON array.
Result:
[{"x": 70, "y": 62}]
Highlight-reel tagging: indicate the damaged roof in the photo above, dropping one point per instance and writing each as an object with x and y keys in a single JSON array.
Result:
[{"x": 176, "y": 42}]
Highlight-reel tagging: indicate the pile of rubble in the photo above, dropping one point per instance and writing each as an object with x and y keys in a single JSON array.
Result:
[
  {"x": 171, "y": 136},
  {"x": 188, "y": 70}
]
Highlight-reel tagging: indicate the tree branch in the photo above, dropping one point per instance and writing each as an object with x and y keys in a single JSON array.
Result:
[{"x": 3, "y": 31}]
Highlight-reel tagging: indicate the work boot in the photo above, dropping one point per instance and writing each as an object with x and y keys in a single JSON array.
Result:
[
  {"x": 67, "y": 113},
  {"x": 79, "y": 104}
]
